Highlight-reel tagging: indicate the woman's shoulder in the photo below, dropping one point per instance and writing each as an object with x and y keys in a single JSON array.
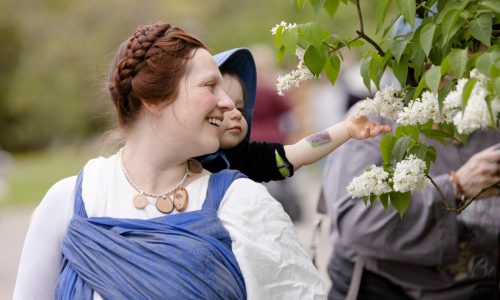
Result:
[{"x": 61, "y": 188}]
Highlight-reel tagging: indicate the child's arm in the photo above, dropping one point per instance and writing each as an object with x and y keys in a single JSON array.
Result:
[{"x": 316, "y": 146}]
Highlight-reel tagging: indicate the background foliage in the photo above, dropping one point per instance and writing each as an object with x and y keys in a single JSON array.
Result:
[{"x": 55, "y": 54}]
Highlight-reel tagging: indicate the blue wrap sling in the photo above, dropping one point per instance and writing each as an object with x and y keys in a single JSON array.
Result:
[{"x": 181, "y": 256}]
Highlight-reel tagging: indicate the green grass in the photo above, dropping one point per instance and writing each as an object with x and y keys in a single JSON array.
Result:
[{"x": 34, "y": 173}]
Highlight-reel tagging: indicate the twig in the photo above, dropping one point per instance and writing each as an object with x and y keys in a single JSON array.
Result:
[
  {"x": 372, "y": 42},
  {"x": 473, "y": 198},
  {"x": 468, "y": 201},
  {"x": 361, "y": 32},
  {"x": 443, "y": 197},
  {"x": 334, "y": 49},
  {"x": 360, "y": 17}
]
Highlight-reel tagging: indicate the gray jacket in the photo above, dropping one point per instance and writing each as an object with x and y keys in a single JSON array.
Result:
[{"x": 419, "y": 252}]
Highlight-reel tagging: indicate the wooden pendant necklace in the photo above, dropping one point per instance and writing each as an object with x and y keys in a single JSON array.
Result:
[{"x": 177, "y": 197}]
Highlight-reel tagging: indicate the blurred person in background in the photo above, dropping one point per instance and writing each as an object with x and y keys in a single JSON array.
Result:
[
  {"x": 148, "y": 222},
  {"x": 428, "y": 253}
]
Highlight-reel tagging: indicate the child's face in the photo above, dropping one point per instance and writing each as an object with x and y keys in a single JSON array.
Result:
[{"x": 234, "y": 126}]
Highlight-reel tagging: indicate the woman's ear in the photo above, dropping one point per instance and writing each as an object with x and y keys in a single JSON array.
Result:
[{"x": 153, "y": 108}]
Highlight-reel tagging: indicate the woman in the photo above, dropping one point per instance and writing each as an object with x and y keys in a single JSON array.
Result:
[{"x": 146, "y": 224}]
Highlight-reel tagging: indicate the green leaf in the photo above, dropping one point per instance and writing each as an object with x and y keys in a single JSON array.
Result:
[
  {"x": 397, "y": 47},
  {"x": 400, "y": 71},
  {"x": 417, "y": 63},
  {"x": 317, "y": 4},
  {"x": 496, "y": 85},
  {"x": 480, "y": 28},
  {"x": 400, "y": 147},
  {"x": 492, "y": 4},
  {"x": 376, "y": 70},
  {"x": 331, "y": 7},
  {"x": 384, "y": 199},
  {"x": 437, "y": 135},
  {"x": 433, "y": 77},
  {"x": 430, "y": 156},
  {"x": 419, "y": 151},
  {"x": 420, "y": 87},
  {"x": 389, "y": 27},
  {"x": 365, "y": 71},
  {"x": 455, "y": 62},
  {"x": 311, "y": 34},
  {"x": 426, "y": 37},
  {"x": 449, "y": 20},
  {"x": 332, "y": 68},
  {"x": 408, "y": 9},
  {"x": 386, "y": 145},
  {"x": 484, "y": 63},
  {"x": 314, "y": 60},
  {"x": 356, "y": 44},
  {"x": 289, "y": 40},
  {"x": 381, "y": 7},
  {"x": 277, "y": 37},
  {"x": 400, "y": 201},
  {"x": 280, "y": 54},
  {"x": 467, "y": 90}
]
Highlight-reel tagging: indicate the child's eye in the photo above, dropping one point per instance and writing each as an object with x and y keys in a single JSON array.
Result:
[{"x": 240, "y": 109}]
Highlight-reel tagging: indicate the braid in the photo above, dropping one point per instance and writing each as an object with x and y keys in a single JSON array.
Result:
[
  {"x": 148, "y": 67},
  {"x": 131, "y": 62}
]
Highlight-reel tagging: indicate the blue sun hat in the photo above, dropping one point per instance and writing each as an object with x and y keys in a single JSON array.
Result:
[{"x": 239, "y": 61}]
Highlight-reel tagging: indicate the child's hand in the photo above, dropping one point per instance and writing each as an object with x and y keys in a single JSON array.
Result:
[{"x": 362, "y": 128}]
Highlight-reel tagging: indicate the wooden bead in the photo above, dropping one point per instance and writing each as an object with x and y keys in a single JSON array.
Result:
[
  {"x": 181, "y": 198},
  {"x": 140, "y": 201},
  {"x": 164, "y": 205}
]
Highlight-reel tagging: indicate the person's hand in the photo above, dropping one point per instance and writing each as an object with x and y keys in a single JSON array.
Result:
[
  {"x": 481, "y": 170},
  {"x": 362, "y": 128}
]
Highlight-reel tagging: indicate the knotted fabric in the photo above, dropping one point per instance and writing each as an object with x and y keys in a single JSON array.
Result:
[{"x": 181, "y": 256}]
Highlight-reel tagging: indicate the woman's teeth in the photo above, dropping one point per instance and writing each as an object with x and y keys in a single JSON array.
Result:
[{"x": 214, "y": 121}]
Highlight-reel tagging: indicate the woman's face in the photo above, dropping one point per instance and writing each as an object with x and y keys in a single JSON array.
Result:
[{"x": 199, "y": 108}]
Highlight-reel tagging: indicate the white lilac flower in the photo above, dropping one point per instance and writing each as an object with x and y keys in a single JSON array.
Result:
[
  {"x": 283, "y": 24},
  {"x": 476, "y": 114},
  {"x": 409, "y": 175},
  {"x": 386, "y": 103},
  {"x": 421, "y": 110},
  {"x": 453, "y": 101},
  {"x": 293, "y": 78},
  {"x": 474, "y": 73},
  {"x": 372, "y": 181}
]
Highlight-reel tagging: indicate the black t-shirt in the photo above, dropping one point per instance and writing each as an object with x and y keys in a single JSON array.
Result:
[{"x": 257, "y": 160}]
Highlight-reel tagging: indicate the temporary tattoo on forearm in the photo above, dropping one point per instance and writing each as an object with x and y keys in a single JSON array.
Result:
[{"x": 319, "y": 139}]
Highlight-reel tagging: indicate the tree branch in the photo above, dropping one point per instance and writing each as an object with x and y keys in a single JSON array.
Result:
[
  {"x": 361, "y": 32},
  {"x": 468, "y": 201},
  {"x": 476, "y": 196},
  {"x": 443, "y": 197}
]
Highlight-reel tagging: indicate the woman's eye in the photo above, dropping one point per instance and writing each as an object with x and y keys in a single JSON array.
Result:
[
  {"x": 240, "y": 109},
  {"x": 210, "y": 85}
]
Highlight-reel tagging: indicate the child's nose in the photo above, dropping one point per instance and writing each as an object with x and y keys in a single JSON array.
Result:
[
  {"x": 235, "y": 114},
  {"x": 225, "y": 102}
]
